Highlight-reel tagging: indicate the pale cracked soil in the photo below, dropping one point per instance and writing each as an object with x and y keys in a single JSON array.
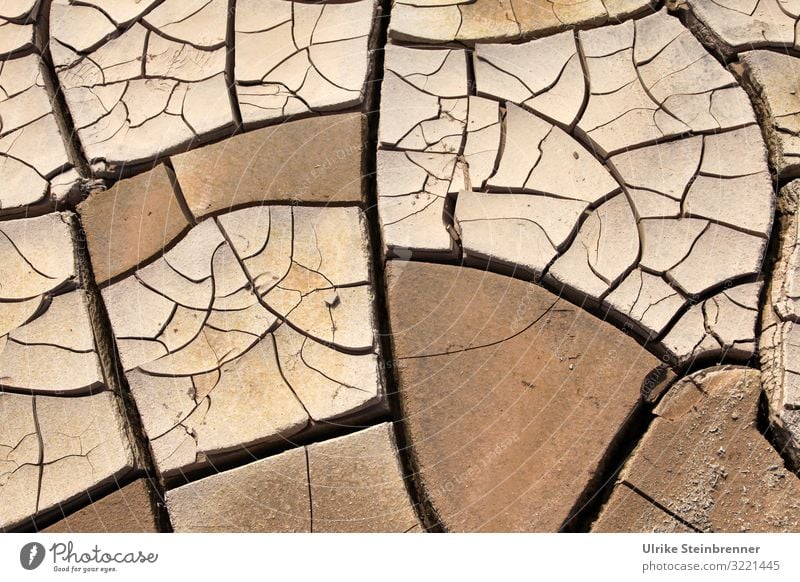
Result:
[{"x": 399, "y": 265}]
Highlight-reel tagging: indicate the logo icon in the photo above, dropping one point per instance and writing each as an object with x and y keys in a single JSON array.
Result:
[{"x": 31, "y": 555}]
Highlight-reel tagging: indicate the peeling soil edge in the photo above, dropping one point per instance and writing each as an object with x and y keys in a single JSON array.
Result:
[
  {"x": 416, "y": 492},
  {"x": 785, "y": 213},
  {"x": 60, "y": 109},
  {"x": 778, "y": 437},
  {"x": 114, "y": 377}
]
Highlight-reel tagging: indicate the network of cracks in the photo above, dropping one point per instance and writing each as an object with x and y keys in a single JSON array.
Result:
[{"x": 452, "y": 265}]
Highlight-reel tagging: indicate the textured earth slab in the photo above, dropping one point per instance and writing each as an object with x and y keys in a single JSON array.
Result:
[
  {"x": 34, "y": 164},
  {"x": 556, "y": 171},
  {"x": 740, "y": 25},
  {"x": 270, "y": 495},
  {"x": 144, "y": 79},
  {"x": 131, "y": 222},
  {"x": 423, "y": 120},
  {"x": 44, "y": 320},
  {"x": 780, "y": 334},
  {"x": 248, "y": 331},
  {"x": 356, "y": 484},
  {"x": 627, "y": 511},
  {"x": 413, "y": 188},
  {"x": 722, "y": 325},
  {"x": 126, "y": 510},
  {"x": 779, "y": 350},
  {"x": 424, "y": 99},
  {"x": 650, "y": 80},
  {"x": 300, "y": 57},
  {"x": 56, "y": 450},
  {"x": 140, "y": 83},
  {"x": 347, "y": 484},
  {"x": 510, "y": 396},
  {"x": 310, "y": 160},
  {"x": 705, "y": 461},
  {"x": 441, "y": 21},
  {"x": 773, "y": 79},
  {"x": 17, "y": 20}
]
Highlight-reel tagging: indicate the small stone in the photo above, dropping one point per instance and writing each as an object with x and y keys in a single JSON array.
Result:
[{"x": 773, "y": 77}]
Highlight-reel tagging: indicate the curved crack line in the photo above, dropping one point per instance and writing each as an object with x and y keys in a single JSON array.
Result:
[
  {"x": 513, "y": 218},
  {"x": 50, "y": 345},
  {"x": 286, "y": 380},
  {"x": 24, "y": 258},
  {"x": 490, "y": 344},
  {"x": 421, "y": 210},
  {"x": 323, "y": 374},
  {"x": 40, "y": 461},
  {"x": 154, "y": 289}
]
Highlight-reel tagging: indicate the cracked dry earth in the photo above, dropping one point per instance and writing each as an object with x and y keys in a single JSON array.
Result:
[{"x": 404, "y": 266}]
